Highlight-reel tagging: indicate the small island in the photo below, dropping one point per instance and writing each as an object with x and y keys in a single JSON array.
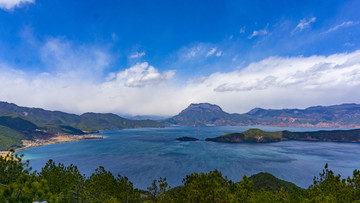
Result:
[
  {"x": 187, "y": 139},
  {"x": 260, "y": 136},
  {"x": 251, "y": 135}
]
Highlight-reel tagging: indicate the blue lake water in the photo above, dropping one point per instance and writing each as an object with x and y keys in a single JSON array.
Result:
[{"x": 149, "y": 153}]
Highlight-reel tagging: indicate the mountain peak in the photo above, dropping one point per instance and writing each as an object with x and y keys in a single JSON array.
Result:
[
  {"x": 201, "y": 114},
  {"x": 202, "y": 106}
]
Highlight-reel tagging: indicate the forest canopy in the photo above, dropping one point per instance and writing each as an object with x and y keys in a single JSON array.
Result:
[{"x": 59, "y": 183}]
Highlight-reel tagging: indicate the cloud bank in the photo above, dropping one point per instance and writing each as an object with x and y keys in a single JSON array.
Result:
[{"x": 79, "y": 84}]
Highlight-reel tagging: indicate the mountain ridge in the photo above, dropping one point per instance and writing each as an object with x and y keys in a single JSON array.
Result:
[
  {"x": 88, "y": 122},
  {"x": 23, "y": 123},
  {"x": 205, "y": 114}
]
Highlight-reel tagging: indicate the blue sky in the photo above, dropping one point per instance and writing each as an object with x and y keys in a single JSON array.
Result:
[{"x": 157, "y": 57}]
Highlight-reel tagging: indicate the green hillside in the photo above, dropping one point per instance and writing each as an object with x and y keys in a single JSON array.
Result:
[
  {"x": 257, "y": 135},
  {"x": 251, "y": 135},
  {"x": 89, "y": 122},
  {"x": 108, "y": 121},
  {"x": 42, "y": 124},
  {"x": 271, "y": 183},
  {"x": 17, "y": 123},
  {"x": 10, "y": 138},
  {"x": 15, "y": 128}
]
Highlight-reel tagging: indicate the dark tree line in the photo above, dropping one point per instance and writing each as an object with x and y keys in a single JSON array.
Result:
[{"x": 59, "y": 183}]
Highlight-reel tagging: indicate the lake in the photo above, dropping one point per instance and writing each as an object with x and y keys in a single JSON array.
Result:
[{"x": 149, "y": 153}]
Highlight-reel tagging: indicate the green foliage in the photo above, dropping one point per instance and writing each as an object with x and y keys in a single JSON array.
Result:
[
  {"x": 66, "y": 182},
  {"x": 255, "y": 133},
  {"x": 12, "y": 167},
  {"x": 243, "y": 191},
  {"x": 16, "y": 182},
  {"x": 330, "y": 187},
  {"x": 206, "y": 187},
  {"x": 251, "y": 135},
  {"x": 59, "y": 183},
  {"x": 102, "y": 186},
  {"x": 158, "y": 191}
]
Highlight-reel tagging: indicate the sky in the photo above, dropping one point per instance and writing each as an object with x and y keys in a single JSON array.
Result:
[{"x": 141, "y": 57}]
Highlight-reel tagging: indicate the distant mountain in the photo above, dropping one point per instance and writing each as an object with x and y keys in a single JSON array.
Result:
[
  {"x": 14, "y": 128},
  {"x": 109, "y": 121},
  {"x": 205, "y": 114},
  {"x": 88, "y": 122},
  {"x": 344, "y": 115},
  {"x": 145, "y": 117}
]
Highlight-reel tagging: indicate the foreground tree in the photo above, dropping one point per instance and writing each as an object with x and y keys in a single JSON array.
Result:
[
  {"x": 102, "y": 186},
  {"x": 65, "y": 182},
  {"x": 206, "y": 187},
  {"x": 59, "y": 183},
  {"x": 17, "y": 184}
]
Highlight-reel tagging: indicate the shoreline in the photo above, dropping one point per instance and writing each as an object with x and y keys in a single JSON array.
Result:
[{"x": 28, "y": 144}]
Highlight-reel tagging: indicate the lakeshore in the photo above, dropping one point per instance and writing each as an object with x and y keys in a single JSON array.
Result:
[{"x": 28, "y": 144}]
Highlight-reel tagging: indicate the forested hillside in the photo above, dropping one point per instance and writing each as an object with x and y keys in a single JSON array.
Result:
[{"x": 59, "y": 183}]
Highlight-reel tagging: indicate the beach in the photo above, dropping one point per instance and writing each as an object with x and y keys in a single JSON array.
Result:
[{"x": 60, "y": 138}]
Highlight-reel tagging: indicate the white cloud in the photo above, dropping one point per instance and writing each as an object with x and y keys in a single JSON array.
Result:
[
  {"x": 275, "y": 82},
  {"x": 301, "y": 73},
  {"x": 344, "y": 24},
  {"x": 303, "y": 24},
  {"x": 10, "y": 4},
  {"x": 137, "y": 55},
  {"x": 259, "y": 33},
  {"x": 211, "y": 52},
  {"x": 141, "y": 75}
]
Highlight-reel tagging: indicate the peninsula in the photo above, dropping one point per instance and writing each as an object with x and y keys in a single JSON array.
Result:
[{"x": 260, "y": 136}]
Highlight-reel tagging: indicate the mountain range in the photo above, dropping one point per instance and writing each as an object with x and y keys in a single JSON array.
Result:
[
  {"x": 23, "y": 123},
  {"x": 18, "y": 123},
  {"x": 205, "y": 114}
]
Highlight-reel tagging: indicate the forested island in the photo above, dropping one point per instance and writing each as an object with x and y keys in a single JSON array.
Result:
[
  {"x": 56, "y": 182},
  {"x": 260, "y": 136}
]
